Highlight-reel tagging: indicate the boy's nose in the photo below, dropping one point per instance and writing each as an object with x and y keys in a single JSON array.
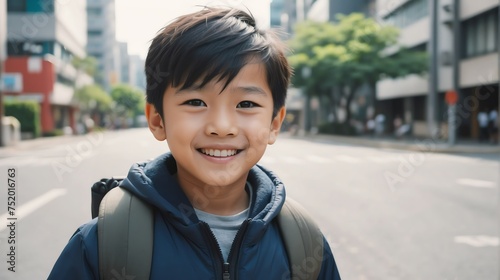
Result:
[{"x": 221, "y": 124}]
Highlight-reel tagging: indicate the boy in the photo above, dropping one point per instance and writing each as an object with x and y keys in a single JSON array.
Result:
[{"x": 216, "y": 93}]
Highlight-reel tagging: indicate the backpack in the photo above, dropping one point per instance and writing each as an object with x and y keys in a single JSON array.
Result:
[{"x": 126, "y": 224}]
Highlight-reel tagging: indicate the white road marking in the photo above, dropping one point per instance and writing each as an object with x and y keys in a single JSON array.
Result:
[
  {"x": 348, "y": 159},
  {"x": 18, "y": 161},
  {"x": 32, "y": 205},
  {"x": 475, "y": 183},
  {"x": 267, "y": 160},
  {"x": 381, "y": 159},
  {"x": 478, "y": 240},
  {"x": 292, "y": 160},
  {"x": 317, "y": 159}
]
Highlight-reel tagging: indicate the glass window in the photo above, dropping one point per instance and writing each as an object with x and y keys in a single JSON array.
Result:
[
  {"x": 408, "y": 13},
  {"x": 470, "y": 31},
  {"x": 94, "y": 11},
  {"x": 481, "y": 33},
  {"x": 94, "y": 33},
  {"x": 16, "y": 5},
  {"x": 39, "y": 6},
  {"x": 491, "y": 32}
]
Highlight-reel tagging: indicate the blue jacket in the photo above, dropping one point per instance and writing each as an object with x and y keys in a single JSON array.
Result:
[{"x": 184, "y": 247}]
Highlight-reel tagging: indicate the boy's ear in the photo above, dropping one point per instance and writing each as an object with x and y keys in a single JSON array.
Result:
[
  {"x": 155, "y": 122},
  {"x": 276, "y": 125}
]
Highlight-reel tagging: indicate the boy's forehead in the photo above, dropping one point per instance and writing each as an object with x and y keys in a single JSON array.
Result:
[{"x": 252, "y": 72}]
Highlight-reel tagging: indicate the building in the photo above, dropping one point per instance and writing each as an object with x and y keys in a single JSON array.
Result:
[
  {"x": 326, "y": 10},
  {"x": 3, "y": 55},
  {"x": 3, "y": 32},
  {"x": 124, "y": 63},
  {"x": 137, "y": 76},
  {"x": 101, "y": 33},
  {"x": 42, "y": 39},
  {"x": 478, "y": 53}
]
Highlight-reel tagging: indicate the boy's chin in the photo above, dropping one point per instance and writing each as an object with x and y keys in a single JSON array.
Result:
[{"x": 223, "y": 179}]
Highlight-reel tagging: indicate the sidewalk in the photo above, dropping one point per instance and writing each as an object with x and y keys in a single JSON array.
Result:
[
  {"x": 421, "y": 145},
  {"x": 40, "y": 143}
]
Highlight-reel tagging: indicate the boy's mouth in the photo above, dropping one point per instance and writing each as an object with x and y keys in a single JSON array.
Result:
[{"x": 219, "y": 153}]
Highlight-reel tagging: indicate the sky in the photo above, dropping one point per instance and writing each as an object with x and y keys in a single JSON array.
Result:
[{"x": 137, "y": 22}]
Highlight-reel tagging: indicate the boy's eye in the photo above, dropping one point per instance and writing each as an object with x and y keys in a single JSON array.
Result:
[
  {"x": 247, "y": 104},
  {"x": 195, "y": 102}
]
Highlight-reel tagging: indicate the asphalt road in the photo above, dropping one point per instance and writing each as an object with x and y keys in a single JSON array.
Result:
[{"x": 387, "y": 214}]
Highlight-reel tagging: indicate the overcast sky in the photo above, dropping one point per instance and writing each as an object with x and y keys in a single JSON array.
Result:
[{"x": 138, "y": 21}]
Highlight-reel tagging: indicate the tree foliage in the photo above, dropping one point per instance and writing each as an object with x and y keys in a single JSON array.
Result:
[
  {"x": 88, "y": 64},
  {"x": 346, "y": 55},
  {"x": 129, "y": 100},
  {"x": 92, "y": 98}
]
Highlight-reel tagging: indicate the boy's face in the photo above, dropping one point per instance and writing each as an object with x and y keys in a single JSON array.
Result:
[{"x": 217, "y": 135}]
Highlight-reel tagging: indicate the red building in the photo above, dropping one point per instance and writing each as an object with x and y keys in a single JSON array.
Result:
[
  {"x": 43, "y": 38},
  {"x": 38, "y": 82}
]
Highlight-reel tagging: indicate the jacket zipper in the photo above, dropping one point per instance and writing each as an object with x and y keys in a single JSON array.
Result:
[
  {"x": 232, "y": 258},
  {"x": 216, "y": 251},
  {"x": 231, "y": 265}
]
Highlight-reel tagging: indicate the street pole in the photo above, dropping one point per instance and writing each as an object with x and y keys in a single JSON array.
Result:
[
  {"x": 498, "y": 70},
  {"x": 452, "y": 129},
  {"x": 3, "y": 54},
  {"x": 306, "y": 73},
  {"x": 433, "y": 71}
]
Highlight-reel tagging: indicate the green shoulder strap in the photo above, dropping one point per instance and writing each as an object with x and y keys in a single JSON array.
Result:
[
  {"x": 303, "y": 240},
  {"x": 125, "y": 236}
]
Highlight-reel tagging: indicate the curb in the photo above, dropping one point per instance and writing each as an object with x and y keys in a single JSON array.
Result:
[
  {"x": 420, "y": 145},
  {"x": 40, "y": 143}
]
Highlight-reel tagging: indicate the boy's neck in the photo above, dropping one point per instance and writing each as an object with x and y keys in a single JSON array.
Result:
[{"x": 217, "y": 200}]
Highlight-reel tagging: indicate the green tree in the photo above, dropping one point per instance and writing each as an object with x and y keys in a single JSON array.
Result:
[
  {"x": 87, "y": 64},
  {"x": 93, "y": 99},
  {"x": 129, "y": 100},
  {"x": 346, "y": 55}
]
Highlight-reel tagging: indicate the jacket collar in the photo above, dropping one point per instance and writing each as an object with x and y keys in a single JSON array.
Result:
[{"x": 154, "y": 182}]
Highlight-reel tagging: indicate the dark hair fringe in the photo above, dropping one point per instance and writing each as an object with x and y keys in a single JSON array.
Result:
[{"x": 213, "y": 44}]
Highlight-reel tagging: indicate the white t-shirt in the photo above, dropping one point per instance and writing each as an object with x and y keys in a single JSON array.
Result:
[
  {"x": 482, "y": 119},
  {"x": 493, "y": 117}
]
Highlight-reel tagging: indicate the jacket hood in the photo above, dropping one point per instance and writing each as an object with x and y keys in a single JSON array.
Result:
[{"x": 154, "y": 182}]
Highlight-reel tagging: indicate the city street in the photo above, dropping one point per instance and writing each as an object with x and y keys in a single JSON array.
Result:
[{"x": 388, "y": 214}]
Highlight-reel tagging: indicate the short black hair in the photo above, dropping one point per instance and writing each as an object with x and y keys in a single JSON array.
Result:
[{"x": 213, "y": 43}]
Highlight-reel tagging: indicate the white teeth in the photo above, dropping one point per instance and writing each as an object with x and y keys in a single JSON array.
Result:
[{"x": 218, "y": 153}]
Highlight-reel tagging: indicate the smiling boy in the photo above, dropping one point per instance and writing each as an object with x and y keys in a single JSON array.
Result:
[{"x": 216, "y": 94}]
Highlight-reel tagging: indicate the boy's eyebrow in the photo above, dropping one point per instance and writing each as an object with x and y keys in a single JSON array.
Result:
[
  {"x": 251, "y": 89},
  {"x": 244, "y": 89},
  {"x": 192, "y": 87}
]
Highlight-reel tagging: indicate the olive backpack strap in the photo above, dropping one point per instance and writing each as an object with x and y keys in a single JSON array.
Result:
[
  {"x": 123, "y": 217},
  {"x": 125, "y": 236},
  {"x": 303, "y": 240}
]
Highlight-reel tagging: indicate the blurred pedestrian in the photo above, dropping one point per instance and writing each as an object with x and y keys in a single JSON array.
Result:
[
  {"x": 493, "y": 126},
  {"x": 398, "y": 122},
  {"x": 482, "y": 119},
  {"x": 379, "y": 124}
]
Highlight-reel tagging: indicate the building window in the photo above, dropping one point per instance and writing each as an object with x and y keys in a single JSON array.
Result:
[
  {"x": 30, "y": 6},
  {"x": 16, "y": 5},
  {"x": 15, "y": 48},
  {"x": 94, "y": 11},
  {"x": 409, "y": 13},
  {"x": 94, "y": 33},
  {"x": 480, "y": 34},
  {"x": 40, "y": 6}
]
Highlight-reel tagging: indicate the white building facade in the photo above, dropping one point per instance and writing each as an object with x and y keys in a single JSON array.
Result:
[
  {"x": 478, "y": 66},
  {"x": 101, "y": 33}
]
